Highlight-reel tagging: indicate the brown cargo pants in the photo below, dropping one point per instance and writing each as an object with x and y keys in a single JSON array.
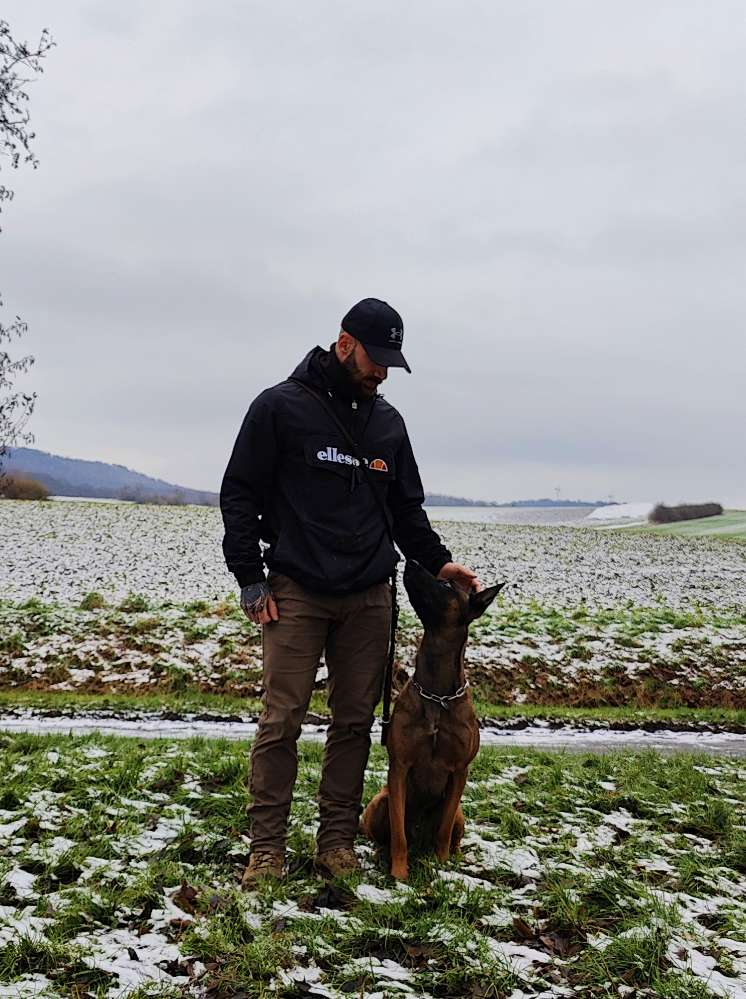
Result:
[{"x": 354, "y": 631}]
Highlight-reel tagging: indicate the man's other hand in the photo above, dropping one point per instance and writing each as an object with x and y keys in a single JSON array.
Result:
[
  {"x": 453, "y": 572},
  {"x": 258, "y": 604}
]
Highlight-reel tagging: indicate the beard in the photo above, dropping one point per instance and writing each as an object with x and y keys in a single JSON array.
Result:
[{"x": 366, "y": 384}]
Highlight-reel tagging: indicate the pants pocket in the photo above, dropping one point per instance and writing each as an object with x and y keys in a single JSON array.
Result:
[{"x": 379, "y": 595}]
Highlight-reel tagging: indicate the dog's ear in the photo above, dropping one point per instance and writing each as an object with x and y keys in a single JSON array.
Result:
[{"x": 479, "y": 602}]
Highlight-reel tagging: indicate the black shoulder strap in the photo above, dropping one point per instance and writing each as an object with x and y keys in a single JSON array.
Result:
[{"x": 389, "y": 673}]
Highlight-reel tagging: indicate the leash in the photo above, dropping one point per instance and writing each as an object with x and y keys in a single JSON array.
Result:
[
  {"x": 442, "y": 701},
  {"x": 389, "y": 672}
]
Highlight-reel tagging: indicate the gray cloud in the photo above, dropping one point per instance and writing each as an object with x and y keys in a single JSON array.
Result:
[{"x": 550, "y": 194}]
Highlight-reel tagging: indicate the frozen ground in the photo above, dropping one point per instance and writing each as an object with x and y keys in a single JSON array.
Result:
[{"x": 595, "y": 876}]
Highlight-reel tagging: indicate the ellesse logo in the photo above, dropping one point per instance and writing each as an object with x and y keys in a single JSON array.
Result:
[{"x": 340, "y": 458}]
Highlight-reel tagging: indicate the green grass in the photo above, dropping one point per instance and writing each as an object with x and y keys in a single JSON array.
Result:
[
  {"x": 729, "y": 526},
  {"x": 533, "y": 618},
  {"x": 192, "y": 701},
  {"x": 623, "y": 656},
  {"x": 586, "y": 900}
]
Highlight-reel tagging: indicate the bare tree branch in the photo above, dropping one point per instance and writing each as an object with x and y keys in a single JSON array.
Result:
[{"x": 20, "y": 63}]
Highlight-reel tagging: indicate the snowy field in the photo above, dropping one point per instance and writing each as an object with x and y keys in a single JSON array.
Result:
[
  {"x": 62, "y": 551},
  {"x": 590, "y": 876},
  {"x": 588, "y": 618}
]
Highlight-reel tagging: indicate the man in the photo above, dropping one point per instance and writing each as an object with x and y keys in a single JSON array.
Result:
[{"x": 295, "y": 483}]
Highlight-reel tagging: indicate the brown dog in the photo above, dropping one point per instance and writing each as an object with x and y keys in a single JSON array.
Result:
[{"x": 434, "y": 733}]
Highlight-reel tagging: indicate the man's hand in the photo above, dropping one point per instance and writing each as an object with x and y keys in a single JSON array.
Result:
[
  {"x": 258, "y": 604},
  {"x": 453, "y": 572}
]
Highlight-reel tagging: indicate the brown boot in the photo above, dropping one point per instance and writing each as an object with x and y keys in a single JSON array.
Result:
[
  {"x": 337, "y": 863},
  {"x": 262, "y": 864}
]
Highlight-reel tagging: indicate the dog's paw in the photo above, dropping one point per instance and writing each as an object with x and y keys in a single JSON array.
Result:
[{"x": 400, "y": 871}]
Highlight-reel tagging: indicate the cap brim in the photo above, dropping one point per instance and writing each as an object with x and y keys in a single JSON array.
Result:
[{"x": 387, "y": 357}]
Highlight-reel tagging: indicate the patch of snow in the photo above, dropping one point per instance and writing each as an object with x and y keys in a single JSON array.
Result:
[
  {"x": 551, "y": 993},
  {"x": 309, "y": 975},
  {"x": 112, "y": 950},
  {"x": 622, "y": 511},
  {"x": 520, "y": 860},
  {"x": 22, "y": 924},
  {"x": 21, "y": 882},
  {"x": 499, "y": 918},
  {"x": 289, "y": 909},
  {"x": 656, "y": 864},
  {"x": 687, "y": 958},
  {"x": 595, "y": 839},
  {"x": 7, "y": 830},
  {"x": 29, "y": 987},
  {"x": 621, "y": 820},
  {"x": 369, "y": 893},
  {"x": 458, "y": 877},
  {"x": 734, "y": 946},
  {"x": 521, "y": 958},
  {"x": 382, "y": 969},
  {"x": 160, "y": 918},
  {"x": 155, "y": 839},
  {"x": 54, "y": 849}
]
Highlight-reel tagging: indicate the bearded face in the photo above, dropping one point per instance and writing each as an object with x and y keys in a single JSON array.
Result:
[{"x": 363, "y": 372}]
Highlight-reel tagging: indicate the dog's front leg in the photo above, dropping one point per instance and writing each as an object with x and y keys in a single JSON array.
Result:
[
  {"x": 397, "y": 808},
  {"x": 456, "y": 785}
]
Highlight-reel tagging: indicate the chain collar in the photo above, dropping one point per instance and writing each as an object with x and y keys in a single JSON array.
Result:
[{"x": 442, "y": 701}]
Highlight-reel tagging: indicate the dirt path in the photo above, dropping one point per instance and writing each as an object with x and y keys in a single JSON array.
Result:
[{"x": 539, "y": 734}]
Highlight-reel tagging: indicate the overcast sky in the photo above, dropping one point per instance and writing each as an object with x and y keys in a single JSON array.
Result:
[{"x": 551, "y": 193}]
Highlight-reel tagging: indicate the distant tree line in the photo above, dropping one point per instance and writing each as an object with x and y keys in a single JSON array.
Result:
[
  {"x": 662, "y": 514},
  {"x": 137, "y": 494},
  {"x": 15, "y": 486}
]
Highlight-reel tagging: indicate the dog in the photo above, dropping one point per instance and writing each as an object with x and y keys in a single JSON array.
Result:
[{"x": 434, "y": 733}]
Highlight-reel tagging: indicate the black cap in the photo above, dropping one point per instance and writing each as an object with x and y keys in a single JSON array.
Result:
[{"x": 380, "y": 329}]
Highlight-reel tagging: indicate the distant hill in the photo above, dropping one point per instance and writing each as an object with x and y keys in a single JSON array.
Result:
[
  {"x": 439, "y": 499},
  {"x": 98, "y": 479}
]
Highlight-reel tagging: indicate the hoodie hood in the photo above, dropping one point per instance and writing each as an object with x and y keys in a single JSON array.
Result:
[
  {"x": 322, "y": 369},
  {"x": 309, "y": 369}
]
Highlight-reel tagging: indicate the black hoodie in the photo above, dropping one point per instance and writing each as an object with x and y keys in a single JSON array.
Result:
[{"x": 292, "y": 481}]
